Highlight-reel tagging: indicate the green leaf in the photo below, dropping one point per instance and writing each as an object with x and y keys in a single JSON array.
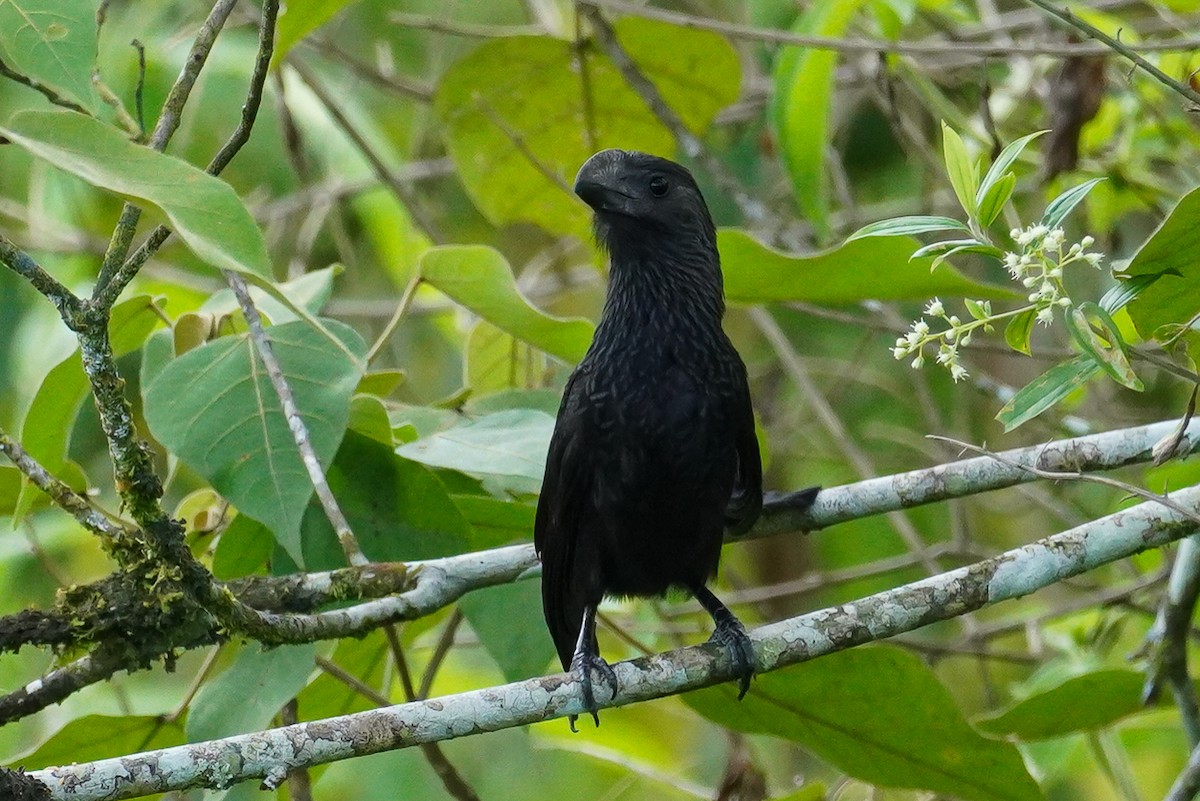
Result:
[
  {"x": 999, "y": 170},
  {"x": 496, "y": 522},
  {"x": 46, "y": 431},
  {"x": 481, "y": 116},
  {"x": 215, "y": 408},
  {"x": 398, "y": 509},
  {"x": 802, "y": 88},
  {"x": 977, "y": 310},
  {"x": 992, "y": 203},
  {"x": 1046, "y": 390},
  {"x": 1107, "y": 349},
  {"x": 950, "y": 246},
  {"x": 875, "y": 268},
  {"x": 1081, "y": 703},
  {"x": 1127, "y": 289},
  {"x": 53, "y": 42},
  {"x": 205, "y": 211},
  {"x": 497, "y": 361},
  {"x": 1172, "y": 252},
  {"x": 480, "y": 278},
  {"x": 1061, "y": 206},
  {"x": 509, "y": 443},
  {"x": 906, "y": 226},
  {"x": 93, "y": 737},
  {"x": 509, "y": 623},
  {"x": 878, "y": 714},
  {"x": 251, "y": 692},
  {"x": 299, "y": 18},
  {"x": 1019, "y": 330},
  {"x": 960, "y": 169}
]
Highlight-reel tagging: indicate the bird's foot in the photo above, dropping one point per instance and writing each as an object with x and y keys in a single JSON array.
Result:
[
  {"x": 582, "y": 665},
  {"x": 731, "y": 634}
]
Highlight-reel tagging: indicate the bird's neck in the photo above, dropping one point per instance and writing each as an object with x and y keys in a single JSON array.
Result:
[{"x": 664, "y": 296}]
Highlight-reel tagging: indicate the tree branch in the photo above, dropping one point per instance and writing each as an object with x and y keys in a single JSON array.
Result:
[
  {"x": 221, "y": 763},
  {"x": 1092, "y": 32},
  {"x": 71, "y": 501},
  {"x": 21, "y": 263}
]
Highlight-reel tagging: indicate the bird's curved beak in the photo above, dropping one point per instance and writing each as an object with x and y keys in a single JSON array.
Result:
[{"x": 598, "y": 182}]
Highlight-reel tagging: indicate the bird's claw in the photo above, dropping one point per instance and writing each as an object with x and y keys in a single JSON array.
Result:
[
  {"x": 582, "y": 666},
  {"x": 731, "y": 634}
]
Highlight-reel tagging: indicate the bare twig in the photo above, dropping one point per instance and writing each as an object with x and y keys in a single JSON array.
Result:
[
  {"x": 976, "y": 50},
  {"x": 1167, "y": 640},
  {"x": 37, "y": 86},
  {"x": 115, "y": 274},
  {"x": 455, "y": 28},
  {"x": 1075, "y": 475},
  {"x": 444, "y": 644},
  {"x": 1187, "y": 784},
  {"x": 1092, "y": 32},
  {"x": 752, "y": 209},
  {"x": 20, "y": 262},
  {"x": 64, "y": 496},
  {"x": 296, "y": 424}
]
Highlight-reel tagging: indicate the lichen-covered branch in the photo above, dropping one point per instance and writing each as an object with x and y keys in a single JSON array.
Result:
[{"x": 221, "y": 763}]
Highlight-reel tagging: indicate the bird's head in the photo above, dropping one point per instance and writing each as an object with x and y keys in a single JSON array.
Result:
[{"x": 639, "y": 198}]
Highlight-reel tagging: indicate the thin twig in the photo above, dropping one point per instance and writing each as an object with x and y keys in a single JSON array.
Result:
[
  {"x": 444, "y": 644},
  {"x": 752, "y": 209},
  {"x": 296, "y": 424},
  {"x": 72, "y": 502},
  {"x": 401, "y": 309},
  {"x": 1075, "y": 475},
  {"x": 399, "y": 188},
  {"x": 1187, "y": 784},
  {"x": 833, "y": 424},
  {"x": 164, "y": 129},
  {"x": 1092, "y": 32},
  {"x": 455, "y": 28},
  {"x": 978, "y": 50},
  {"x": 1167, "y": 640},
  {"x": 37, "y": 86},
  {"x": 68, "y": 304}
]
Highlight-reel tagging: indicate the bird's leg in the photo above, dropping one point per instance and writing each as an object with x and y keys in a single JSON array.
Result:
[
  {"x": 587, "y": 659},
  {"x": 730, "y": 633}
]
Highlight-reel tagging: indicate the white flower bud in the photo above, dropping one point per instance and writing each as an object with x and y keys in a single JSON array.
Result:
[
  {"x": 935, "y": 308},
  {"x": 918, "y": 362},
  {"x": 954, "y": 321},
  {"x": 957, "y": 372},
  {"x": 1087, "y": 242},
  {"x": 921, "y": 327},
  {"x": 1045, "y": 316},
  {"x": 899, "y": 353}
]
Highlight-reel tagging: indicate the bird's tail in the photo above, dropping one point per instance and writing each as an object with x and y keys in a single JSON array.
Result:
[{"x": 563, "y": 605}]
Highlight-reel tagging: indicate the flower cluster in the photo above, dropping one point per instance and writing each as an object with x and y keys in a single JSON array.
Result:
[{"x": 1038, "y": 268}]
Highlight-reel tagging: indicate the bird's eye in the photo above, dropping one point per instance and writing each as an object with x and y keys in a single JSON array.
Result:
[{"x": 659, "y": 186}]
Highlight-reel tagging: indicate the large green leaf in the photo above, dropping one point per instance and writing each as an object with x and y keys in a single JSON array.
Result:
[
  {"x": 251, "y": 692},
  {"x": 1172, "y": 251},
  {"x": 48, "y": 425},
  {"x": 508, "y": 621},
  {"x": 480, "y": 278},
  {"x": 544, "y": 106},
  {"x": 803, "y": 85},
  {"x": 215, "y": 408},
  {"x": 1081, "y": 703},
  {"x": 510, "y": 443},
  {"x": 872, "y": 268},
  {"x": 496, "y": 522},
  {"x": 94, "y": 737},
  {"x": 53, "y": 42},
  {"x": 204, "y": 210},
  {"x": 880, "y": 715}
]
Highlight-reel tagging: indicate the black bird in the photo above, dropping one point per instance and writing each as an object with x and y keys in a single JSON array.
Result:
[{"x": 654, "y": 454}]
